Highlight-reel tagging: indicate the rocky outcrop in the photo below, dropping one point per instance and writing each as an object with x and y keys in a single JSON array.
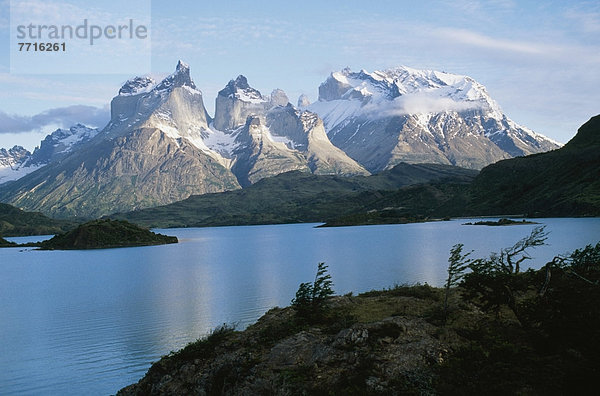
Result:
[
  {"x": 304, "y": 132},
  {"x": 236, "y": 102},
  {"x": 258, "y": 155},
  {"x": 279, "y": 98},
  {"x": 275, "y": 137},
  {"x": 303, "y": 101},
  {"x": 283, "y": 140},
  {"x": 174, "y": 106},
  {"x": 280, "y": 356}
]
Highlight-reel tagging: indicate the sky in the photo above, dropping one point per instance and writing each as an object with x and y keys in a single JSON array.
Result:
[{"x": 539, "y": 60}]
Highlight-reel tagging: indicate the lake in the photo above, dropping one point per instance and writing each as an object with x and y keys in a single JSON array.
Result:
[{"x": 74, "y": 322}]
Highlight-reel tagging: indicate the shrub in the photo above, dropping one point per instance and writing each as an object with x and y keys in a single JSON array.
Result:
[
  {"x": 495, "y": 280},
  {"x": 457, "y": 265},
  {"x": 309, "y": 302}
]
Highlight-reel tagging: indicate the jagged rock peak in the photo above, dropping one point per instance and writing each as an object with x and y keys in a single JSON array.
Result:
[
  {"x": 181, "y": 78},
  {"x": 279, "y": 98},
  {"x": 61, "y": 142},
  {"x": 77, "y": 129},
  {"x": 240, "y": 82},
  {"x": 253, "y": 121},
  {"x": 309, "y": 119},
  {"x": 139, "y": 85},
  {"x": 14, "y": 151},
  {"x": 182, "y": 67},
  {"x": 303, "y": 101},
  {"x": 240, "y": 89}
]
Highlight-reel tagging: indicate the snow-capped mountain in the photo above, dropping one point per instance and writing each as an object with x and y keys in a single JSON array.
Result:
[
  {"x": 271, "y": 136},
  {"x": 152, "y": 152},
  {"x": 409, "y": 115},
  {"x": 162, "y": 146},
  {"x": 236, "y": 102},
  {"x": 60, "y": 143},
  {"x": 173, "y": 105},
  {"x": 13, "y": 163},
  {"x": 304, "y": 132},
  {"x": 259, "y": 155},
  {"x": 18, "y": 162}
]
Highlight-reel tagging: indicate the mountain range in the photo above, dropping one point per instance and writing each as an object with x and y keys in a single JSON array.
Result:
[
  {"x": 17, "y": 161},
  {"x": 562, "y": 182},
  {"x": 162, "y": 146}
]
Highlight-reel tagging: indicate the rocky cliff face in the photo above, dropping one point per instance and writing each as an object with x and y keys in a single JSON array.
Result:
[
  {"x": 304, "y": 132},
  {"x": 236, "y": 102},
  {"x": 151, "y": 153},
  {"x": 276, "y": 137},
  {"x": 259, "y": 155},
  {"x": 144, "y": 168},
  {"x": 408, "y": 115},
  {"x": 175, "y": 106}
]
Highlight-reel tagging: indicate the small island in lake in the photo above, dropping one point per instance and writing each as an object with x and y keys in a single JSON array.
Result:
[
  {"x": 5, "y": 243},
  {"x": 106, "y": 233},
  {"x": 501, "y": 222}
]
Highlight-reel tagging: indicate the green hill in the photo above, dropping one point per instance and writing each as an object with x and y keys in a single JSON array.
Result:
[
  {"x": 563, "y": 182},
  {"x": 99, "y": 234},
  {"x": 294, "y": 197},
  {"x": 16, "y": 222},
  {"x": 5, "y": 243}
]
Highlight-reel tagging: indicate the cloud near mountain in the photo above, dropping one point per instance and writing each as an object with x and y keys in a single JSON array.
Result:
[
  {"x": 419, "y": 102},
  {"x": 60, "y": 116},
  {"x": 161, "y": 145}
]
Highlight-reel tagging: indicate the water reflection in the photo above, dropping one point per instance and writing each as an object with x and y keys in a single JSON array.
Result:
[{"x": 93, "y": 321}]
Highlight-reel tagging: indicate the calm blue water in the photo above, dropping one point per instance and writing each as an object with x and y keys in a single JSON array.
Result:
[{"x": 74, "y": 322}]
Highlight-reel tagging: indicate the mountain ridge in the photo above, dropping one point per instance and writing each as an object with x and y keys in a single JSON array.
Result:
[
  {"x": 161, "y": 145},
  {"x": 293, "y": 197},
  {"x": 18, "y": 162}
]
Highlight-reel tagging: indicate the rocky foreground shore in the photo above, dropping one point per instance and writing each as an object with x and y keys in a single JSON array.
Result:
[
  {"x": 402, "y": 341},
  {"x": 376, "y": 343}
]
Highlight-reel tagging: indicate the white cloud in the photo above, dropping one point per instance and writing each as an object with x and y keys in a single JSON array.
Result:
[
  {"x": 417, "y": 103},
  {"x": 62, "y": 116},
  {"x": 468, "y": 37}
]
